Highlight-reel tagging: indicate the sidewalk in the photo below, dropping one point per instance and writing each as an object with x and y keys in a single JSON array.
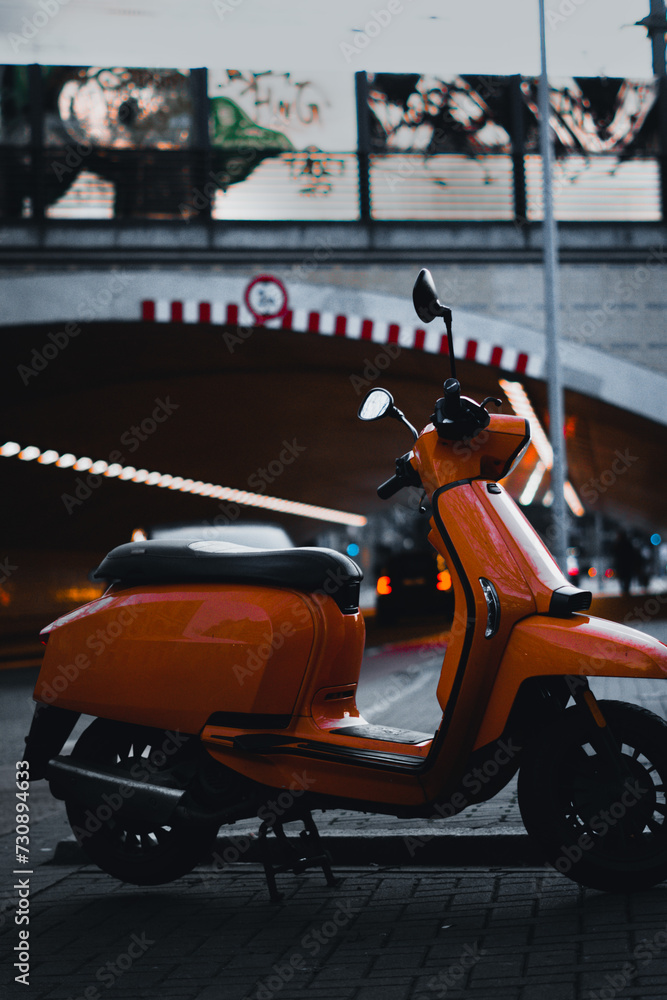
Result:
[{"x": 394, "y": 934}]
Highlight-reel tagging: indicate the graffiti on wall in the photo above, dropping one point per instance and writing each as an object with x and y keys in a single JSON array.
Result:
[
  {"x": 473, "y": 115},
  {"x": 305, "y": 117}
]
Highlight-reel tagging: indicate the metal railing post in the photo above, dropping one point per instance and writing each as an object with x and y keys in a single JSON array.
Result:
[
  {"x": 656, "y": 27},
  {"x": 518, "y": 151},
  {"x": 363, "y": 147},
  {"x": 36, "y": 96},
  {"x": 662, "y": 145},
  {"x": 200, "y": 142}
]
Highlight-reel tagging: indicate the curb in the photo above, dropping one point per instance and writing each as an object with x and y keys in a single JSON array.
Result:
[{"x": 479, "y": 850}]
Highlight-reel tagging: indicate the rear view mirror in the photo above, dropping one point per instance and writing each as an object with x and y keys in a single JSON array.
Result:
[
  {"x": 375, "y": 404},
  {"x": 425, "y": 299}
]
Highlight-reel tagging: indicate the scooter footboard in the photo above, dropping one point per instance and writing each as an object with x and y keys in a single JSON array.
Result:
[{"x": 579, "y": 646}]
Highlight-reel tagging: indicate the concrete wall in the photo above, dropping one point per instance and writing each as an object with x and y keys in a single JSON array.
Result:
[{"x": 618, "y": 308}]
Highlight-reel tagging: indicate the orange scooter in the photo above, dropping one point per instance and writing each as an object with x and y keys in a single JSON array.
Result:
[{"x": 223, "y": 683}]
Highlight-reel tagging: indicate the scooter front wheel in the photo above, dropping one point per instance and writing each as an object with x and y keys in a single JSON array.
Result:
[
  {"x": 600, "y": 820},
  {"x": 142, "y": 852}
]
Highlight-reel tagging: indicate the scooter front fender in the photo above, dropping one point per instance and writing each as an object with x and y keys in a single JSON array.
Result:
[{"x": 579, "y": 646}]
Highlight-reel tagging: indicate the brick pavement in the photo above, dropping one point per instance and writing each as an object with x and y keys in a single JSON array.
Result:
[{"x": 393, "y": 934}]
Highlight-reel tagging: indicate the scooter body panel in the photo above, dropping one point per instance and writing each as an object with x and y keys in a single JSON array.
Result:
[
  {"x": 170, "y": 656},
  {"x": 580, "y": 646},
  {"x": 490, "y": 454}
]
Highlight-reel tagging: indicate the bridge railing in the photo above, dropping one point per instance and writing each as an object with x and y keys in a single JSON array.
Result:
[
  {"x": 455, "y": 174},
  {"x": 177, "y": 184}
]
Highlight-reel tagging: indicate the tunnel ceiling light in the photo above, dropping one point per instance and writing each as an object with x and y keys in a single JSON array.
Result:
[
  {"x": 522, "y": 406},
  {"x": 533, "y": 484},
  {"x": 573, "y": 501},
  {"x": 129, "y": 474}
]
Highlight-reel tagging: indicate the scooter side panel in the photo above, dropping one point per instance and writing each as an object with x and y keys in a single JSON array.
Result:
[
  {"x": 173, "y": 655},
  {"x": 579, "y": 646},
  {"x": 475, "y": 548},
  {"x": 536, "y": 563},
  {"x": 335, "y": 662}
]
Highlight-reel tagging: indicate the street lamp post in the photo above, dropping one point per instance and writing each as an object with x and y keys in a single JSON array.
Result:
[{"x": 558, "y": 541}]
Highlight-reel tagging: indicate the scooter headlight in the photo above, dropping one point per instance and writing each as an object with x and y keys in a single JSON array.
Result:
[{"x": 492, "y": 607}]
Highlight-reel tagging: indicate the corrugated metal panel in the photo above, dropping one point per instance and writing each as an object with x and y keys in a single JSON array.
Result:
[
  {"x": 291, "y": 187},
  {"x": 446, "y": 186},
  {"x": 90, "y": 197},
  {"x": 308, "y": 185},
  {"x": 597, "y": 188},
  {"x": 311, "y": 185}
]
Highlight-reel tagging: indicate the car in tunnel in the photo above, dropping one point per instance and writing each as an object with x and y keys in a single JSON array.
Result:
[
  {"x": 255, "y": 534},
  {"x": 415, "y": 583}
]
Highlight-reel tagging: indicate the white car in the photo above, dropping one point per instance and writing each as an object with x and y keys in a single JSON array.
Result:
[{"x": 256, "y": 534}]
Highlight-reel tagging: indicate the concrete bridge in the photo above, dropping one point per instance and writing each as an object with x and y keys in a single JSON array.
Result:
[{"x": 102, "y": 319}]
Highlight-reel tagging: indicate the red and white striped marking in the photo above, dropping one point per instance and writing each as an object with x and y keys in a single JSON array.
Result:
[{"x": 329, "y": 324}]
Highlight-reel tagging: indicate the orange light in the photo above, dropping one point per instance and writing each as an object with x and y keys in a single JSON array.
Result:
[
  {"x": 384, "y": 585},
  {"x": 72, "y": 594},
  {"x": 592, "y": 571},
  {"x": 444, "y": 580}
]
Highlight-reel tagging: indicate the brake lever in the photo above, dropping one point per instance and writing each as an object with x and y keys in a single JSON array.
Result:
[{"x": 491, "y": 399}]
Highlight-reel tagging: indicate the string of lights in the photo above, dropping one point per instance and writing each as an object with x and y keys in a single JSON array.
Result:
[{"x": 129, "y": 474}]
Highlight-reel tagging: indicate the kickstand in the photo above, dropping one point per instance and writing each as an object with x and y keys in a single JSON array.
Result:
[{"x": 298, "y": 853}]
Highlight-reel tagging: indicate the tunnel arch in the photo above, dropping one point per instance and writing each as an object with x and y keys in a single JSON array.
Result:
[{"x": 209, "y": 296}]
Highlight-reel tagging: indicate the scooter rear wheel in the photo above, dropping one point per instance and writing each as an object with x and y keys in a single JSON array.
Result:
[
  {"x": 145, "y": 853},
  {"x": 601, "y": 828}
]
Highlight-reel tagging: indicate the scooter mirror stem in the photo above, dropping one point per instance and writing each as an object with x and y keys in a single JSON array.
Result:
[
  {"x": 397, "y": 414},
  {"x": 450, "y": 341}
]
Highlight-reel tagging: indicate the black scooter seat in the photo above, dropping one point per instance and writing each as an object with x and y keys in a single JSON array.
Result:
[{"x": 180, "y": 561}]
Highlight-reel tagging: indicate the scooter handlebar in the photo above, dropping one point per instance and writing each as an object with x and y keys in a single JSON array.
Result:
[
  {"x": 392, "y": 486},
  {"x": 405, "y": 475}
]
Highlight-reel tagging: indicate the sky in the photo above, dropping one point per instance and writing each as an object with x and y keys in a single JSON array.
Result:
[{"x": 584, "y": 37}]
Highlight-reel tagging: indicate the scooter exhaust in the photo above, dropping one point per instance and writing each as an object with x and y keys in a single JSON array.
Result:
[{"x": 95, "y": 787}]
